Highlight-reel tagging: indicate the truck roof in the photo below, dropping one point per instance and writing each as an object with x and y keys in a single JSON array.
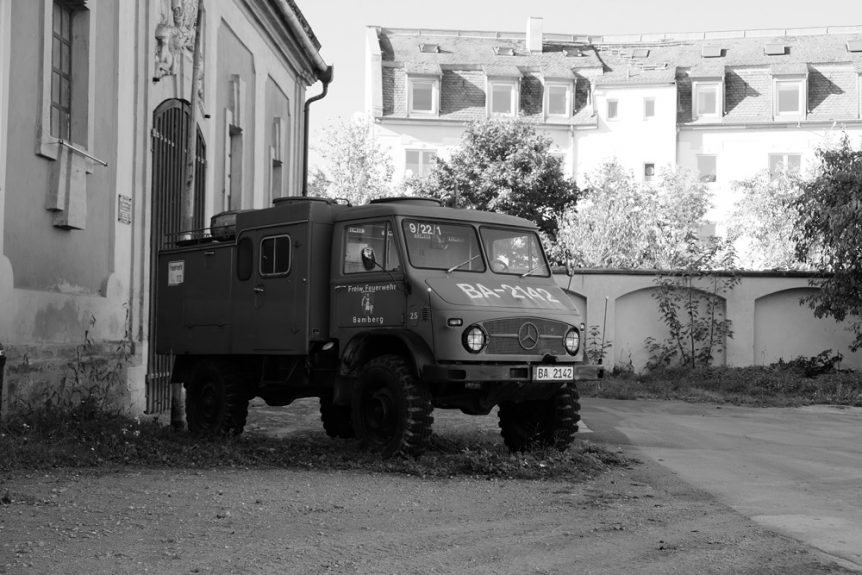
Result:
[
  {"x": 225, "y": 225},
  {"x": 427, "y": 208}
]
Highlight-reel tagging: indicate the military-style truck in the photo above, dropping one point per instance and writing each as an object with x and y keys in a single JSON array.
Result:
[{"x": 384, "y": 311}]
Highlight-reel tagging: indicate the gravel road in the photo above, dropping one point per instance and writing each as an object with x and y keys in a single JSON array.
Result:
[{"x": 166, "y": 521}]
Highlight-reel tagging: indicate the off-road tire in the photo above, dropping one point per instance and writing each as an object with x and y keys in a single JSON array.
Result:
[
  {"x": 391, "y": 409},
  {"x": 216, "y": 401},
  {"x": 540, "y": 424},
  {"x": 336, "y": 419}
]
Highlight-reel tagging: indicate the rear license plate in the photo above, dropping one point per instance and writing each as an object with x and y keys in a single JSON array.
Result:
[{"x": 553, "y": 372}]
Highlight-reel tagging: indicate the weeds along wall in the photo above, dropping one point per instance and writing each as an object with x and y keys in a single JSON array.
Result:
[
  {"x": 86, "y": 361},
  {"x": 749, "y": 318}
]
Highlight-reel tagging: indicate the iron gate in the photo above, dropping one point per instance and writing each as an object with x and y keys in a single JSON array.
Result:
[{"x": 169, "y": 143}]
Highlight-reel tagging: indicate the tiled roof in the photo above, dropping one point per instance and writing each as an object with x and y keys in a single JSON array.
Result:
[{"x": 741, "y": 59}]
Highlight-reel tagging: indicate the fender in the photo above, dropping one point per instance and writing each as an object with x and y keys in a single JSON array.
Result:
[{"x": 380, "y": 341}]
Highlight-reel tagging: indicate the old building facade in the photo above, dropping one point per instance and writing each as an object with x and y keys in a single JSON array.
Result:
[
  {"x": 95, "y": 115},
  {"x": 725, "y": 104}
]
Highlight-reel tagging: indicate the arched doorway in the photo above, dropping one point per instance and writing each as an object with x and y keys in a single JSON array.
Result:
[{"x": 171, "y": 123}]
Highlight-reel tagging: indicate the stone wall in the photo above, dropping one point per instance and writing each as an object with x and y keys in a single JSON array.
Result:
[{"x": 768, "y": 322}]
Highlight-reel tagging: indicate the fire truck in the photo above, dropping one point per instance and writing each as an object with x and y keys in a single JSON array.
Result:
[{"x": 383, "y": 311}]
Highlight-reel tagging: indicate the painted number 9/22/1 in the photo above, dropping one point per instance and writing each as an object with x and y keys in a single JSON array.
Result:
[{"x": 480, "y": 291}]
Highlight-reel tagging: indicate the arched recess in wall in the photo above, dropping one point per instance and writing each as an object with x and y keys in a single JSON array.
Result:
[
  {"x": 784, "y": 329},
  {"x": 637, "y": 317}
]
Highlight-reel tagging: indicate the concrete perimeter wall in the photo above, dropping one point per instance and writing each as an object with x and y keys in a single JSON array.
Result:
[{"x": 768, "y": 322}]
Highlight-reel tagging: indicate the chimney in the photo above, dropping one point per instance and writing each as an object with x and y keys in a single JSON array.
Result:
[{"x": 534, "y": 34}]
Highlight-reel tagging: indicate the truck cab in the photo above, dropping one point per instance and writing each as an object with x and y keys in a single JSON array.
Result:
[{"x": 384, "y": 311}]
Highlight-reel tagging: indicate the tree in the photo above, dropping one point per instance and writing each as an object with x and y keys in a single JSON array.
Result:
[
  {"x": 357, "y": 167},
  {"x": 829, "y": 234},
  {"x": 763, "y": 222},
  {"x": 622, "y": 224},
  {"x": 318, "y": 183},
  {"x": 504, "y": 166}
]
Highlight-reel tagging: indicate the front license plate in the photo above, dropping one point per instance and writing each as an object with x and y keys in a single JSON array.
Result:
[{"x": 553, "y": 372}]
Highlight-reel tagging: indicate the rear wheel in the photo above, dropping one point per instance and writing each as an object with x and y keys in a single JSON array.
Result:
[
  {"x": 336, "y": 419},
  {"x": 391, "y": 409},
  {"x": 216, "y": 401},
  {"x": 543, "y": 423}
]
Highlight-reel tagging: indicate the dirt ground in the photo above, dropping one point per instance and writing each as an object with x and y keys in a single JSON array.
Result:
[{"x": 166, "y": 521}]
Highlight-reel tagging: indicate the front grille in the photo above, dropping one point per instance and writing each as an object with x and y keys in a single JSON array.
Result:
[{"x": 503, "y": 336}]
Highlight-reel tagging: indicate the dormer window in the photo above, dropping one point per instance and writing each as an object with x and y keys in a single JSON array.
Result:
[
  {"x": 558, "y": 99},
  {"x": 789, "y": 98},
  {"x": 423, "y": 90},
  {"x": 707, "y": 98},
  {"x": 789, "y": 92},
  {"x": 502, "y": 90},
  {"x": 422, "y": 96},
  {"x": 503, "y": 96}
]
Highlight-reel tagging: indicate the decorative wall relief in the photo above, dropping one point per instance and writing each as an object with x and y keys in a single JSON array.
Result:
[{"x": 175, "y": 36}]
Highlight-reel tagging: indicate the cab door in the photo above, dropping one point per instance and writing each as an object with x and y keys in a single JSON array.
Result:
[{"x": 368, "y": 284}]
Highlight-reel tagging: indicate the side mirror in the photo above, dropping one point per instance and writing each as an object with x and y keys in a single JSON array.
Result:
[
  {"x": 368, "y": 259},
  {"x": 570, "y": 266}
]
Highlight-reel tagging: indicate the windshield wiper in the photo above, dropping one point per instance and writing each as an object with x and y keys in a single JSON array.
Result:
[
  {"x": 528, "y": 272},
  {"x": 464, "y": 263}
]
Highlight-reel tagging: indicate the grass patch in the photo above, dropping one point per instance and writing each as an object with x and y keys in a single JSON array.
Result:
[
  {"x": 96, "y": 440},
  {"x": 777, "y": 385}
]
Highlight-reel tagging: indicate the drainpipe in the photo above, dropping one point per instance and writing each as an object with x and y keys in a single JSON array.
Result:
[
  {"x": 324, "y": 74},
  {"x": 326, "y": 78}
]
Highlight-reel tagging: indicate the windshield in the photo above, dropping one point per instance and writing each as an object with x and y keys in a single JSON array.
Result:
[
  {"x": 442, "y": 246},
  {"x": 516, "y": 252}
]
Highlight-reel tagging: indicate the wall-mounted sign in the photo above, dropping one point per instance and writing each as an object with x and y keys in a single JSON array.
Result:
[{"x": 124, "y": 209}]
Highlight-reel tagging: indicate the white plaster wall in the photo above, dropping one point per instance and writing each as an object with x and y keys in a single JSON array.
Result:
[
  {"x": 630, "y": 139},
  {"x": 744, "y": 152},
  {"x": 767, "y": 320}
]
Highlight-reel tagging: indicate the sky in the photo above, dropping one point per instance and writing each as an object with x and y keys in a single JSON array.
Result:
[{"x": 340, "y": 26}]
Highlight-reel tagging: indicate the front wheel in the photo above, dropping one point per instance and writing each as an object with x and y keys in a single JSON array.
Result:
[
  {"x": 543, "y": 423},
  {"x": 216, "y": 402},
  {"x": 391, "y": 409}
]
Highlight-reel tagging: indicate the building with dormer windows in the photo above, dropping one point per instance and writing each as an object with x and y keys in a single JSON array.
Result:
[{"x": 726, "y": 104}]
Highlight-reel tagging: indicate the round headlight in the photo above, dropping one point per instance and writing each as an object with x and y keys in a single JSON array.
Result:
[
  {"x": 474, "y": 339},
  {"x": 572, "y": 341}
]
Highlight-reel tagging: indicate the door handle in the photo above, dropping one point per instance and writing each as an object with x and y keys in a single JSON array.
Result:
[{"x": 258, "y": 290}]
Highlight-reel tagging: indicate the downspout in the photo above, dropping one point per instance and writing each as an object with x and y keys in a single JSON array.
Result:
[
  {"x": 326, "y": 78},
  {"x": 324, "y": 74}
]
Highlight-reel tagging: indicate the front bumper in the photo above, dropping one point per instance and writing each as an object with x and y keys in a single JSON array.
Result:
[{"x": 501, "y": 373}]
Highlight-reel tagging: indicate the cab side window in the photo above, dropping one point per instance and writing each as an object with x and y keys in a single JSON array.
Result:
[
  {"x": 370, "y": 247},
  {"x": 275, "y": 256}
]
